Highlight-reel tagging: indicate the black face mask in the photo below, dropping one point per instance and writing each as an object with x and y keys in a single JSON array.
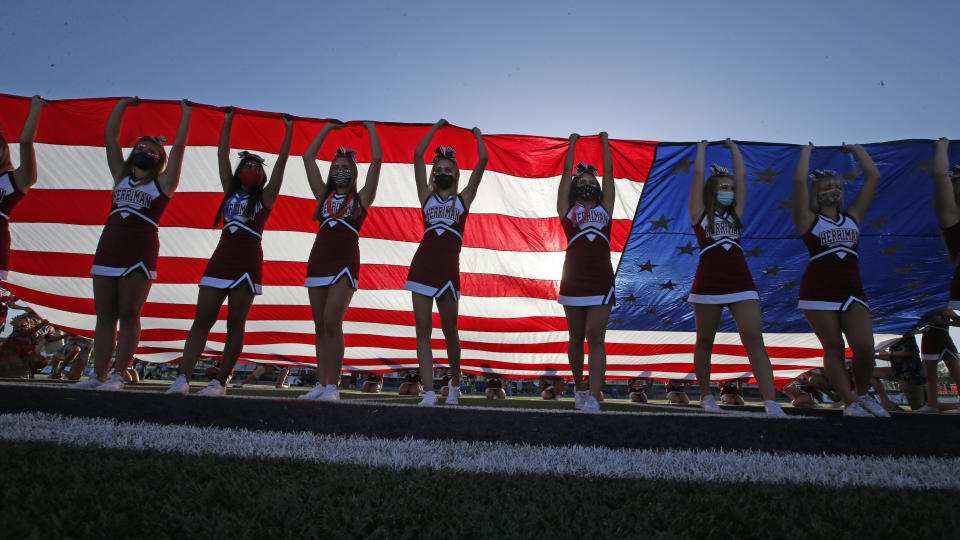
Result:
[
  {"x": 143, "y": 160},
  {"x": 588, "y": 192},
  {"x": 444, "y": 181}
]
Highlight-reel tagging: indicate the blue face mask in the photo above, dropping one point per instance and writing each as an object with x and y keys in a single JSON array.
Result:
[{"x": 725, "y": 198}]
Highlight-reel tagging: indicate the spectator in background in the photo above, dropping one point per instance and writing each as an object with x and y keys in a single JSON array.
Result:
[
  {"x": 677, "y": 392},
  {"x": 731, "y": 392},
  {"x": 267, "y": 369},
  {"x": 372, "y": 383},
  {"x": 495, "y": 388},
  {"x": 411, "y": 384},
  {"x": 551, "y": 387},
  {"x": 637, "y": 389}
]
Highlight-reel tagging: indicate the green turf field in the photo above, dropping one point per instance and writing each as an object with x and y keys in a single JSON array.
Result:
[{"x": 55, "y": 491}]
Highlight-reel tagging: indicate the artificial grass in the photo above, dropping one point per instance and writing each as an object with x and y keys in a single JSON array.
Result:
[{"x": 56, "y": 491}]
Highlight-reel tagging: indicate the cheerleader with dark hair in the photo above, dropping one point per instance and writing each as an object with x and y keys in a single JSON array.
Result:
[
  {"x": 723, "y": 277},
  {"x": 435, "y": 269},
  {"x": 15, "y": 182},
  {"x": 235, "y": 270},
  {"x": 831, "y": 291},
  {"x": 125, "y": 263},
  {"x": 334, "y": 265},
  {"x": 586, "y": 287}
]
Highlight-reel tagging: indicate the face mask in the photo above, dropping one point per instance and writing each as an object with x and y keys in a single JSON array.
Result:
[
  {"x": 588, "y": 192},
  {"x": 249, "y": 177},
  {"x": 725, "y": 198},
  {"x": 831, "y": 197},
  {"x": 341, "y": 177},
  {"x": 444, "y": 181},
  {"x": 143, "y": 160}
]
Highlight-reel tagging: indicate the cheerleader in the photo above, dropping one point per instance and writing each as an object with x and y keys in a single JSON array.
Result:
[
  {"x": 831, "y": 290},
  {"x": 235, "y": 270},
  {"x": 947, "y": 206},
  {"x": 936, "y": 345},
  {"x": 14, "y": 183},
  {"x": 723, "y": 277},
  {"x": 334, "y": 265},
  {"x": 125, "y": 263},
  {"x": 435, "y": 270},
  {"x": 586, "y": 288}
]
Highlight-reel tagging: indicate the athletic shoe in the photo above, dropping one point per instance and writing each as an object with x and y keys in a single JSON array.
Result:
[
  {"x": 453, "y": 396},
  {"x": 429, "y": 399},
  {"x": 213, "y": 389},
  {"x": 317, "y": 391},
  {"x": 854, "y": 409},
  {"x": 927, "y": 409},
  {"x": 872, "y": 407},
  {"x": 591, "y": 405},
  {"x": 238, "y": 385},
  {"x": 773, "y": 408},
  {"x": 580, "y": 398},
  {"x": 709, "y": 404},
  {"x": 89, "y": 383},
  {"x": 179, "y": 386},
  {"x": 330, "y": 393},
  {"x": 114, "y": 382}
]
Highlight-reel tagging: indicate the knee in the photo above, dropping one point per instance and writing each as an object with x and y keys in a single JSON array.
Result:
[
  {"x": 596, "y": 336},
  {"x": 752, "y": 336},
  {"x": 236, "y": 324},
  {"x": 832, "y": 347},
  {"x": 705, "y": 341}
]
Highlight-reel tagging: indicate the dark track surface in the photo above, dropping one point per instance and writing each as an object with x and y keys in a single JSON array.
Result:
[{"x": 823, "y": 431}]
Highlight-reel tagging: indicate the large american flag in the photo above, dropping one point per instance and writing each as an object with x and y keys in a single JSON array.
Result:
[{"x": 510, "y": 322}]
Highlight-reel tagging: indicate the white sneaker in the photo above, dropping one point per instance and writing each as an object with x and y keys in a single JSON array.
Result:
[
  {"x": 591, "y": 405},
  {"x": 854, "y": 409},
  {"x": 773, "y": 408},
  {"x": 927, "y": 409},
  {"x": 453, "y": 396},
  {"x": 89, "y": 383},
  {"x": 429, "y": 399},
  {"x": 114, "y": 382},
  {"x": 213, "y": 389},
  {"x": 317, "y": 391},
  {"x": 330, "y": 393},
  {"x": 179, "y": 386},
  {"x": 709, "y": 404},
  {"x": 580, "y": 398},
  {"x": 871, "y": 406}
]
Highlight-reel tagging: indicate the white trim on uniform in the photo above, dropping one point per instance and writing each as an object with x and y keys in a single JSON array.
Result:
[
  {"x": 113, "y": 271},
  {"x": 729, "y": 298},
  {"x": 122, "y": 209},
  {"x": 435, "y": 292},
  {"x": 598, "y": 300},
  {"x": 326, "y": 281},
  {"x": 819, "y": 305},
  {"x": 245, "y": 279},
  {"x": 937, "y": 357}
]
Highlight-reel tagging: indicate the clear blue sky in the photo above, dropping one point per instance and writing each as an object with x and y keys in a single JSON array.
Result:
[{"x": 671, "y": 71}]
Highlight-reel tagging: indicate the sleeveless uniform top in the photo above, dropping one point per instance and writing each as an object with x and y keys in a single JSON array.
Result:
[
  {"x": 722, "y": 276},
  {"x": 435, "y": 268},
  {"x": 336, "y": 249},
  {"x": 129, "y": 240},
  {"x": 587, "y": 271},
  {"x": 238, "y": 258},
  {"x": 951, "y": 236},
  {"x": 9, "y": 195},
  {"x": 235, "y": 221},
  {"x": 832, "y": 278},
  {"x": 143, "y": 201}
]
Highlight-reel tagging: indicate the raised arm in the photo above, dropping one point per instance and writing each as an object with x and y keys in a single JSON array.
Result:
[
  {"x": 369, "y": 191},
  {"x": 566, "y": 180},
  {"x": 470, "y": 192},
  {"x": 419, "y": 167},
  {"x": 608, "y": 187},
  {"x": 310, "y": 159},
  {"x": 223, "y": 149},
  {"x": 697, "y": 185},
  {"x": 802, "y": 215},
  {"x": 170, "y": 178},
  {"x": 272, "y": 190},
  {"x": 944, "y": 199},
  {"x": 739, "y": 176},
  {"x": 25, "y": 175},
  {"x": 871, "y": 179},
  {"x": 111, "y": 134}
]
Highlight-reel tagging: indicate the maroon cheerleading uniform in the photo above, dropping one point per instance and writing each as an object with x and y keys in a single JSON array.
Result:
[
  {"x": 832, "y": 281},
  {"x": 435, "y": 268},
  {"x": 9, "y": 197},
  {"x": 336, "y": 250},
  {"x": 495, "y": 384},
  {"x": 723, "y": 276},
  {"x": 238, "y": 259},
  {"x": 952, "y": 237},
  {"x": 936, "y": 344},
  {"x": 587, "y": 272},
  {"x": 129, "y": 240}
]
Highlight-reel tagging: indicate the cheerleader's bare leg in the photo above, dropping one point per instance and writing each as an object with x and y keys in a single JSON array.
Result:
[
  {"x": 448, "y": 308},
  {"x": 577, "y": 330},
  {"x": 335, "y": 309},
  {"x": 239, "y": 302},
  {"x": 596, "y": 335},
  {"x": 826, "y": 325},
  {"x": 749, "y": 321},
  {"x": 105, "y": 333},
  {"x": 132, "y": 294},
  {"x": 858, "y": 329},
  {"x": 707, "y": 318},
  {"x": 209, "y": 300},
  {"x": 423, "y": 318}
]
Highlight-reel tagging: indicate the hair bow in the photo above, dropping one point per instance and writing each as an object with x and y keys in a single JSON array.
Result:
[
  {"x": 583, "y": 168},
  {"x": 156, "y": 139},
  {"x": 719, "y": 170},
  {"x": 244, "y": 156},
  {"x": 444, "y": 152},
  {"x": 821, "y": 174},
  {"x": 348, "y": 153}
]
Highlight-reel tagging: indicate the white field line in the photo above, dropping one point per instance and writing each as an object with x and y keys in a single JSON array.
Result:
[{"x": 487, "y": 457}]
